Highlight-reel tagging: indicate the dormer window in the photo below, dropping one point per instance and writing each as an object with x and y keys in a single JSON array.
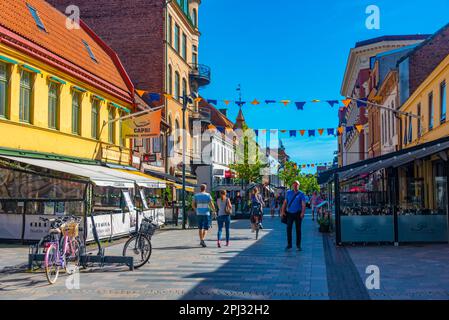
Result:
[
  {"x": 89, "y": 50},
  {"x": 36, "y": 17}
]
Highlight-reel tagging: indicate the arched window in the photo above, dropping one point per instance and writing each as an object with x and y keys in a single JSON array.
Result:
[
  {"x": 170, "y": 80},
  {"x": 177, "y": 135},
  {"x": 177, "y": 93},
  {"x": 195, "y": 17}
]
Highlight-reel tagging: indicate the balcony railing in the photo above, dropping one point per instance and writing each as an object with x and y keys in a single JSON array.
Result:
[{"x": 200, "y": 74}]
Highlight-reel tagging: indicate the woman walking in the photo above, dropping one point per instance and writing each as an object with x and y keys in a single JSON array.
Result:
[{"x": 224, "y": 216}]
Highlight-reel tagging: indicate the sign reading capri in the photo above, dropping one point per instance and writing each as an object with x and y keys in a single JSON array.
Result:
[{"x": 142, "y": 126}]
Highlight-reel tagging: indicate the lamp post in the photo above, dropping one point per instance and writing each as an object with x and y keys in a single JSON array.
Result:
[{"x": 184, "y": 146}]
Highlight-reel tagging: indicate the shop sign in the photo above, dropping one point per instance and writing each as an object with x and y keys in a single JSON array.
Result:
[
  {"x": 103, "y": 224},
  {"x": 35, "y": 229},
  {"x": 120, "y": 223},
  {"x": 144, "y": 126},
  {"x": 148, "y": 158}
]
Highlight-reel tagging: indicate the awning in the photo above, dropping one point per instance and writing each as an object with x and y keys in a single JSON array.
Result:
[
  {"x": 188, "y": 188},
  {"x": 391, "y": 160},
  {"x": 99, "y": 175},
  {"x": 144, "y": 180}
]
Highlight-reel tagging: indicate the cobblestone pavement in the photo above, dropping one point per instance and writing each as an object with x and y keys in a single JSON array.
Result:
[
  {"x": 406, "y": 272},
  {"x": 180, "y": 269}
]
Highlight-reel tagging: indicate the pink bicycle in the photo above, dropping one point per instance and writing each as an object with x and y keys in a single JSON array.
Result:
[{"x": 61, "y": 252}]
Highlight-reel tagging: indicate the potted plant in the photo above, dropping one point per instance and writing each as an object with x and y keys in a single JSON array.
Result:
[{"x": 325, "y": 223}]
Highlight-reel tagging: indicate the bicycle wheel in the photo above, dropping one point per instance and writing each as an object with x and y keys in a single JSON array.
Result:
[
  {"x": 51, "y": 264},
  {"x": 72, "y": 256},
  {"x": 138, "y": 247}
]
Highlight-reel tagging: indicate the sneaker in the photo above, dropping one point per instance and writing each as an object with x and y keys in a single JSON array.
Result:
[
  {"x": 260, "y": 226},
  {"x": 227, "y": 244},
  {"x": 203, "y": 244},
  {"x": 218, "y": 244},
  {"x": 288, "y": 248}
]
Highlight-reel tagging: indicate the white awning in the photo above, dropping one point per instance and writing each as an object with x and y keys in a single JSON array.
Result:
[{"x": 99, "y": 175}]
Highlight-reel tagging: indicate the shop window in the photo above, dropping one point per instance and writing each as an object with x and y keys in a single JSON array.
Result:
[
  {"x": 4, "y": 90},
  {"x": 76, "y": 113},
  {"x": 53, "y": 105},
  {"x": 16, "y": 185},
  {"x": 153, "y": 198},
  {"x": 109, "y": 199},
  {"x": 26, "y": 86}
]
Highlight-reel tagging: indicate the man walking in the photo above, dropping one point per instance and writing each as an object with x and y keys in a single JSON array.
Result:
[
  {"x": 294, "y": 208},
  {"x": 202, "y": 202}
]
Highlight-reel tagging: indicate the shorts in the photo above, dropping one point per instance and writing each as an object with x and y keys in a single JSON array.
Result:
[{"x": 204, "y": 222}]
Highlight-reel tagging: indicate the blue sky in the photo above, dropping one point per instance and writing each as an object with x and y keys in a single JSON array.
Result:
[{"x": 296, "y": 50}]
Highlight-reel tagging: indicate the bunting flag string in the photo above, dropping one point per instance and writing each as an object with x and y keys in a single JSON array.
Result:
[
  {"x": 313, "y": 132},
  {"x": 313, "y": 165},
  {"x": 154, "y": 97}
]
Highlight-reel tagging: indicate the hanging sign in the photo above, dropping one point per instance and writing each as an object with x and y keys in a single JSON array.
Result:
[{"x": 144, "y": 126}]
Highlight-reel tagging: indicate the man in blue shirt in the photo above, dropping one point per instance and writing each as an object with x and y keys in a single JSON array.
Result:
[
  {"x": 294, "y": 208},
  {"x": 202, "y": 202}
]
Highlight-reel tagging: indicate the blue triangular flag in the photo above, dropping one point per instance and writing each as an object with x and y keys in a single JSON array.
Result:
[
  {"x": 256, "y": 132},
  {"x": 300, "y": 105},
  {"x": 212, "y": 101},
  {"x": 155, "y": 97},
  {"x": 270, "y": 101},
  {"x": 361, "y": 103},
  {"x": 330, "y": 131},
  {"x": 333, "y": 102},
  {"x": 311, "y": 133},
  {"x": 240, "y": 103},
  {"x": 292, "y": 133},
  {"x": 349, "y": 129}
]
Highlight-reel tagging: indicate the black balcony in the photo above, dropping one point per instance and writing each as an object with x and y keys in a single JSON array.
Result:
[{"x": 200, "y": 74}]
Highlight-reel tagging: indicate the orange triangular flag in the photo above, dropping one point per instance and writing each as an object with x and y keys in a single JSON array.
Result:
[
  {"x": 227, "y": 102},
  {"x": 340, "y": 130},
  {"x": 302, "y": 132},
  {"x": 263, "y": 131},
  {"x": 141, "y": 92},
  {"x": 211, "y": 127},
  {"x": 346, "y": 102},
  {"x": 285, "y": 102},
  {"x": 312, "y": 165},
  {"x": 359, "y": 127},
  {"x": 283, "y": 131},
  {"x": 198, "y": 99},
  {"x": 304, "y": 166},
  {"x": 255, "y": 102},
  {"x": 168, "y": 96},
  {"x": 320, "y": 131},
  {"x": 316, "y": 100}
]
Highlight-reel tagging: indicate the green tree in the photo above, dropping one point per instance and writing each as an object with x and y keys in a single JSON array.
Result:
[
  {"x": 291, "y": 173},
  {"x": 248, "y": 165}
]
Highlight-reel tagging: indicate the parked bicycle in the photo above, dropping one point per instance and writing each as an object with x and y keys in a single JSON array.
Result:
[
  {"x": 61, "y": 252},
  {"x": 139, "y": 245}
]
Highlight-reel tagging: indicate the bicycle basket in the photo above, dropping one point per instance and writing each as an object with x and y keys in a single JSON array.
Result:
[
  {"x": 147, "y": 227},
  {"x": 70, "y": 229}
]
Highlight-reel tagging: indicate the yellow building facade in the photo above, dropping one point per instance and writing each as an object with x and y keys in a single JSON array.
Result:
[{"x": 44, "y": 109}]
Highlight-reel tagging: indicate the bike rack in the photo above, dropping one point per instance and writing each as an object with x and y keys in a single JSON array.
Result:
[{"x": 99, "y": 258}]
